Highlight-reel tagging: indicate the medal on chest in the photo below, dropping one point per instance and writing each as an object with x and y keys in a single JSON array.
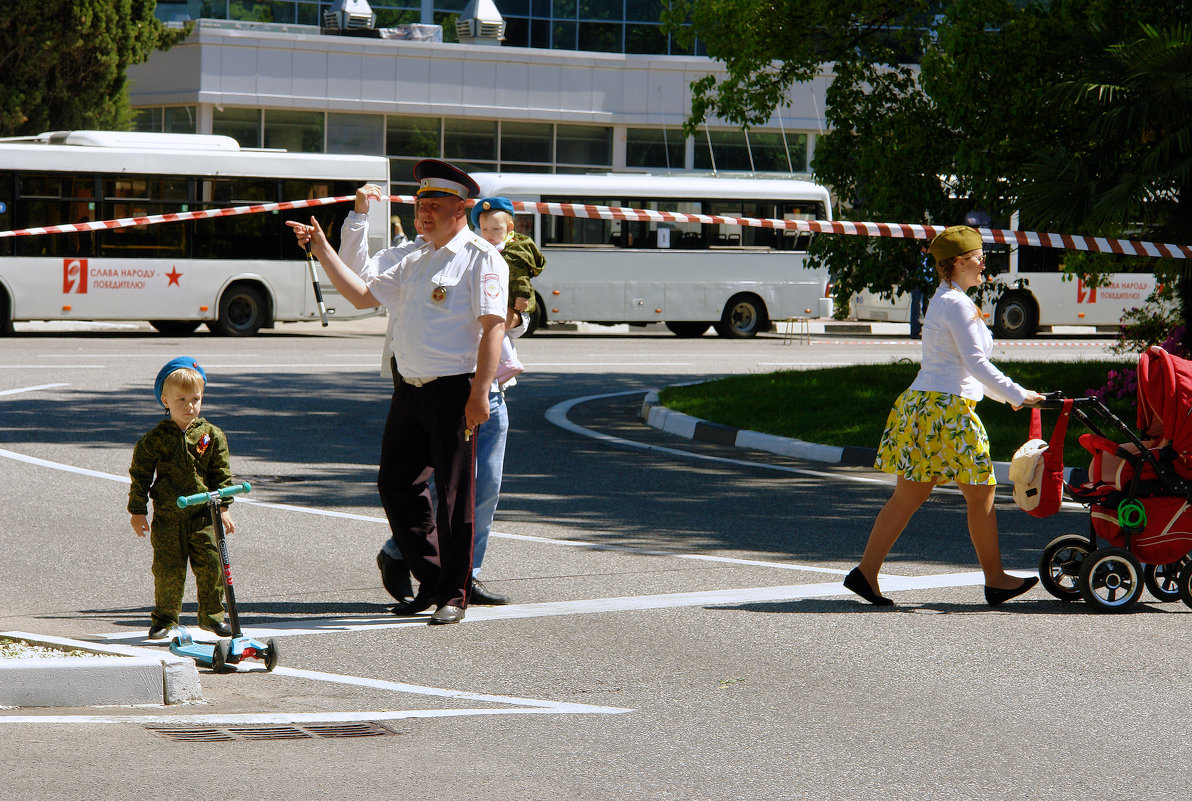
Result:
[{"x": 438, "y": 294}]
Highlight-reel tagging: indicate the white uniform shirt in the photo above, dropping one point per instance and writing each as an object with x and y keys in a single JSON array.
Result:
[
  {"x": 439, "y": 338},
  {"x": 353, "y": 250},
  {"x": 956, "y": 349}
]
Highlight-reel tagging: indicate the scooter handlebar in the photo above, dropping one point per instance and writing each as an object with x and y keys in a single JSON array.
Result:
[{"x": 207, "y": 497}]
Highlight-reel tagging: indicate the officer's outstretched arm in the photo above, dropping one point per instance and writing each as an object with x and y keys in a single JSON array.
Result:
[{"x": 345, "y": 280}]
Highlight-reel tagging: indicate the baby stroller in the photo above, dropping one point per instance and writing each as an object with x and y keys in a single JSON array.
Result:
[{"x": 1138, "y": 490}]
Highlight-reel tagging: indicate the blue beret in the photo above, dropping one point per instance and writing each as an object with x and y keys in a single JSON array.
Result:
[
  {"x": 490, "y": 204},
  {"x": 182, "y": 362},
  {"x": 439, "y": 179}
]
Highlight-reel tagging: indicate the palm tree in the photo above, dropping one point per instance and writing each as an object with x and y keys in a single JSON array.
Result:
[{"x": 1133, "y": 174}]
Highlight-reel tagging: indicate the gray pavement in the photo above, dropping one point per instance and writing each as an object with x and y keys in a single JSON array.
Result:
[{"x": 679, "y": 631}]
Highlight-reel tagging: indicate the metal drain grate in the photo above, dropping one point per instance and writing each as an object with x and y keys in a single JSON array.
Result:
[{"x": 225, "y": 733}]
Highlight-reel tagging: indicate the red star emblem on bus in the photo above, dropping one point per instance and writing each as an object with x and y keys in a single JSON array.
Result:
[{"x": 174, "y": 275}]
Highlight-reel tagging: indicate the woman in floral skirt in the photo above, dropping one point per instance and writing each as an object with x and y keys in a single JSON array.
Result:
[{"x": 933, "y": 434}]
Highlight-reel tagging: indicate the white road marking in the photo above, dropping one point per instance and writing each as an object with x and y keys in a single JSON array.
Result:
[
  {"x": 629, "y": 603},
  {"x": 32, "y": 389},
  {"x": 516, "y": 706}
]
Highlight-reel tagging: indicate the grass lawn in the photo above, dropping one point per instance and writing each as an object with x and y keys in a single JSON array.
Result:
[{"x": 848, "y": 405}]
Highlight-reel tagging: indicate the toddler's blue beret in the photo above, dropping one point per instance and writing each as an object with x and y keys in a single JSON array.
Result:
[
  {"x": 490, "y": 204},
  {"x": 182, "y": 362}
]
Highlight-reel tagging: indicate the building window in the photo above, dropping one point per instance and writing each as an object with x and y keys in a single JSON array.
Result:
[
  {"x": 295, "y": 131},
  {"x": 753, "y": 151},
  {"x": 356, "y": 133},
  {"x": 171, "y": 119},
  {"x": 584, "y": 144},
  {"x": 242, "y": 124},
  {"x": 527, "y": 143},
  {"x": 472, "y": 140},
  {"x": 654, "y": 148}
]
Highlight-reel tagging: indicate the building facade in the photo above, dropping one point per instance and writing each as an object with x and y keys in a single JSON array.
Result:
[{"x": 495, "y": 108}]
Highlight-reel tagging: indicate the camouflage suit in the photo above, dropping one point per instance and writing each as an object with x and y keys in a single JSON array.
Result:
[
  {"x": 185, "y": 463},
  {"x": 525, "y": 261}
]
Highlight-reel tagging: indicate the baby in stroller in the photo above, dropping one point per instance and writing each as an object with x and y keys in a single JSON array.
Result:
[{"x": 1139, "y": 493}]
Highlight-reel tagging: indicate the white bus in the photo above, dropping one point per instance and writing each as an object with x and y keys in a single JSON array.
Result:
[
  {"x": 236, "y": 274},
  {"x": 686, "y": 275},
  {"x": 1035, "y": 295}
]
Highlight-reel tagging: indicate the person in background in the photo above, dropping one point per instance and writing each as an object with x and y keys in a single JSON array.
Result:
[
  {"x": 933, "y": 434},
  {"x": 493, "y": 218}
]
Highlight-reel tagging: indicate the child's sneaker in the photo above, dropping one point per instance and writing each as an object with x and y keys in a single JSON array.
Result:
[{"x": 507, "y": 370}]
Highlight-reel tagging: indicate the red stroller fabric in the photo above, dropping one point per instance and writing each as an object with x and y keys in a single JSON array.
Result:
[
  {"x": 1118, "y": 471},
  {"x": 1164, "y": 404}
]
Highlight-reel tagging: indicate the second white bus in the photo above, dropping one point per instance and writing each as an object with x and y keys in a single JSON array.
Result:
[
  {"x": 1034, "y": 295},
  {"x": 690, "y": 276}
]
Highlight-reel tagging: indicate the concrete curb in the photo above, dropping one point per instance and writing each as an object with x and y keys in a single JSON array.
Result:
[
  {"x": 683, "y": 425},
  {"x": 117, "y": 675}
]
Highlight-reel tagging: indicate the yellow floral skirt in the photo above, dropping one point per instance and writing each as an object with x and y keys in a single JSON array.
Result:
[{"x": 935, "y": 436}]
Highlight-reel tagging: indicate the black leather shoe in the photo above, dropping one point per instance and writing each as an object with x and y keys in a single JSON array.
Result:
[
  {"x": 157, "y": 632},
  {"x": 857, "y": 582},
  {"x": 419, "y": 603},
  {"x": 220, "y": 629},
  {"x": 395, "y": 577},
  {"x": 446, "y": 614},
  {"x": 996, "y": 595},
  {"x": 483, "y": 596}
]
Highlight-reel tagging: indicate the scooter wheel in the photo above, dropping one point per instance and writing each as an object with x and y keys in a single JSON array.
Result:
[
  {"x": 271, "y": 657},
  {"x": 219, "y": 660}
]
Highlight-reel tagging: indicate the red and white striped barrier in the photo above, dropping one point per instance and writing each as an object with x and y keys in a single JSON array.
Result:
[
  {"x": 1130, "y": 247},
  {"x": 154, "y": 219}
]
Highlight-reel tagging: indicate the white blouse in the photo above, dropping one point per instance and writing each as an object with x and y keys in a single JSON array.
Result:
[{"x": 956, "y": 349}]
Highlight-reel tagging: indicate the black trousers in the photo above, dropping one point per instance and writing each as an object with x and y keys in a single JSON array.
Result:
[{"x": 424, "y": 436}]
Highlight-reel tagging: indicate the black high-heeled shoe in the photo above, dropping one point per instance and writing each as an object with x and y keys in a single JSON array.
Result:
[
  {"x": 857, "y": 582},
  {"x": 996, "y": 595}
]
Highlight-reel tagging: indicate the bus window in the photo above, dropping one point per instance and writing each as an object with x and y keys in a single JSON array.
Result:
[
  {"x": 54, "y": 200},
  {"x": 798, "y": 240},
  {"x": 577, "y": 230},
  {"x": 140, "y": 196},
  {"x": 244, "y": 236}
]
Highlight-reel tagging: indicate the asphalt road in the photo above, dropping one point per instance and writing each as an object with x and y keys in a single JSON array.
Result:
[{"x": 679, "y": 630}]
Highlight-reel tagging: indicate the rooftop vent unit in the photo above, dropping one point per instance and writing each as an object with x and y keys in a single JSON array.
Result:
[
  {"x": 480, "y": 23},
  {"x": 349, "y": 16}
]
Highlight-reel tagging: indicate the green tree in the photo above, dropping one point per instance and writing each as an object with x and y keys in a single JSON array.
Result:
[
  {"x": 934, "y": 110},
  {"x": 64, "y": 62}
]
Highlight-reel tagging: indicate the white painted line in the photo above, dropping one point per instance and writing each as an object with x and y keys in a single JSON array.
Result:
[
  {"x": 52, "y": 367},
  {"x": 32, "y": 389},
  {"x": 629, "y": 603},
  {"x": 516, "y": 706}
]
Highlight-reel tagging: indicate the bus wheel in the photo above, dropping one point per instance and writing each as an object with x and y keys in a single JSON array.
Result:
[
  {"x": 1015, "y": 316},
  {"x": 687, "y": 330},
  {"x": 744, "y": 315},
  {"x": 241, "y": 312},
  {"x": 175, "y": 328}
]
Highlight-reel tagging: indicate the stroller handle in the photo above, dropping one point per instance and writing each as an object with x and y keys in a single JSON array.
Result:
[
  {"x": 1055, "y": 400},
  {"x": 210, "y": 497}
]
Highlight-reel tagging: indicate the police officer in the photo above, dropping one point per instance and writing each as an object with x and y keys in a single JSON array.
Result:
[{"x": 449, "y": 299}]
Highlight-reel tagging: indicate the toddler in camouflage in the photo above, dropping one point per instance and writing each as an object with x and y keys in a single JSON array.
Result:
[{"x": 181, "y": 455}]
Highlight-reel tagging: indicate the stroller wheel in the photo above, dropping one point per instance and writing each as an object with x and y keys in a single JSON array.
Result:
[
  {"x": 1059, "y": 565},
  {"x": 1111, "y": 580},
  {"x": 1183, "y": 580},
  {"x": 1163, "y": 580}
]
